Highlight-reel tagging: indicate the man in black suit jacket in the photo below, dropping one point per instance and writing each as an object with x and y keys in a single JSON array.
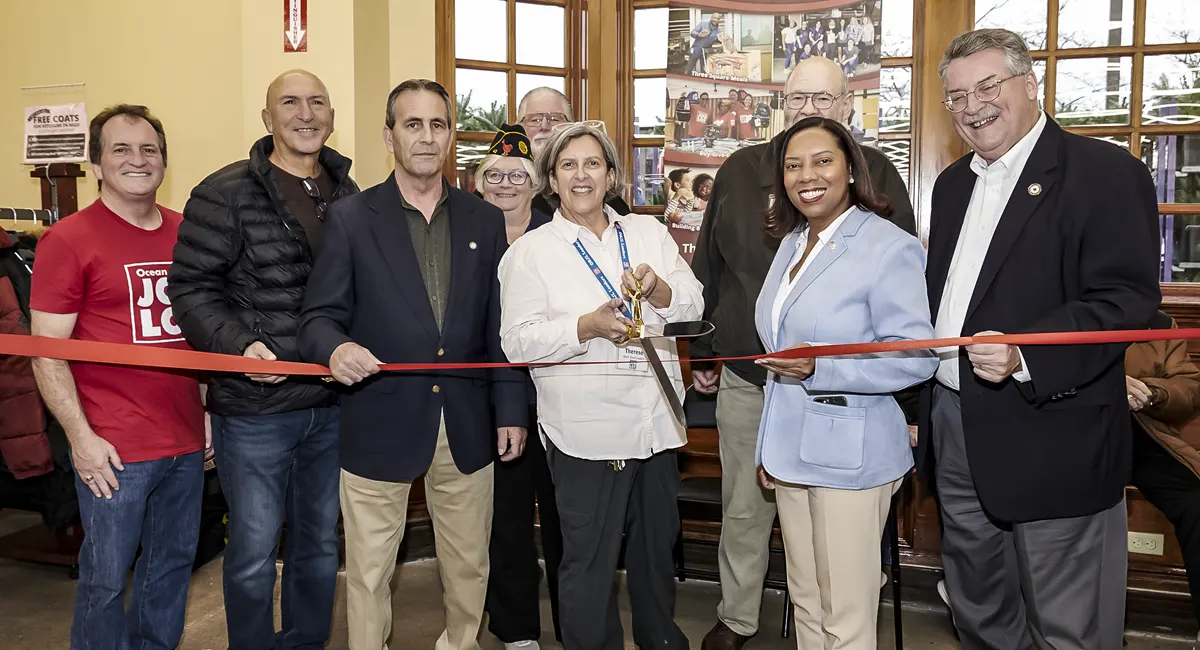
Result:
[
  {"x": 1039, "y": 230},
  {"x": 409, "y": 274}
]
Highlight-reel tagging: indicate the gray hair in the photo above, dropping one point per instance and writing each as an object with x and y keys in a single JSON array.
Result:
[
  {"x": 540, "y": 90},
  {"x": 1016, "y": 52},
  {"x": 412, "y": 85},
  {"x": 490, "y": 161},
  {"x": 547, "y": 160}
]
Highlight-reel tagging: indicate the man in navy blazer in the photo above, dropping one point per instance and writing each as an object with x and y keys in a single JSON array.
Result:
[
  {"x": 409, "y": 274},
  {"x": 1039, "y": 230}
]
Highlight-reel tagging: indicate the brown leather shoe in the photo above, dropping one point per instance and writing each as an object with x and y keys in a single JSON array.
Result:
[{"x": 720, "y": 637}]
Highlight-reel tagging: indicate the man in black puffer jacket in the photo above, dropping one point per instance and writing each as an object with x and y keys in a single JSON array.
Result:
[{"x": 246, "y": 247}]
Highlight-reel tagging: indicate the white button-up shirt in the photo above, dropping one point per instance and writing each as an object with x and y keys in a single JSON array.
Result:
[
  {"x": 989, "y": 198},
  {"x": 789, "y": 282},
  {"x": 594, "y": 412}
]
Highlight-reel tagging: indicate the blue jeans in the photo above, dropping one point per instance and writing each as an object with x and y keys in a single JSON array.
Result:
[
  {"x": 158, "y": 507},
  {"x": 274, "y": 467}
]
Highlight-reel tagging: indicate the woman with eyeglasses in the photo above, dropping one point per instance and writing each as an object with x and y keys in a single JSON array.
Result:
[
  {"x": 506, "y": 178},
  {"x": 833, "y": 443},
  {"x": 567, "y": 293}
]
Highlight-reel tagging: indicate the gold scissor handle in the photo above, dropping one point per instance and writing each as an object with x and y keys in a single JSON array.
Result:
[{"x": 634, "y": 331}]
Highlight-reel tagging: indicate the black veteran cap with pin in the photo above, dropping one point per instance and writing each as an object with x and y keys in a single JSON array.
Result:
[{"x": 511, "y": 141}]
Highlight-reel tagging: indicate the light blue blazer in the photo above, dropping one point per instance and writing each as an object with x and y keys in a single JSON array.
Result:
[{"x": 867, "y": 284}]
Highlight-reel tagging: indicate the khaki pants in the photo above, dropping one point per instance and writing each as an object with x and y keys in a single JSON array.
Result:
[
  {"x": 747, "y": 510},
  {"x": 374, "y": 513},
  {"x": 832, "y": 542}
]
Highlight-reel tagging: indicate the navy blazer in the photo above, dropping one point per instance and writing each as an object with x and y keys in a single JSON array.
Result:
[
  {"x": 867, "y": 285},
  {"x": 1076, "y": 249},
  {"x": 366, "y": 287}
]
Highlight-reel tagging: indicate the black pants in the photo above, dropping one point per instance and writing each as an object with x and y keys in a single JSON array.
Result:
[
  {"x": 513, "y": 603},
  {"x": 1175, "y": 490},
  {"x": 600, "y": 507}
]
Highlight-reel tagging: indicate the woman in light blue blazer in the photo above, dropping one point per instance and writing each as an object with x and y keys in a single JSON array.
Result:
[{"x": 833, "y": 443}]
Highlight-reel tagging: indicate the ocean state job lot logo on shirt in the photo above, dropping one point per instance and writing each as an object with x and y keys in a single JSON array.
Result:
[{"x": 149, "y": 308}]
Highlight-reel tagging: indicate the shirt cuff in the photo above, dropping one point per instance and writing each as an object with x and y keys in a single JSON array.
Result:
[
  {"x": 1023, "y": 374},
  {"x": 571, "y": 336},
  {"x": 672, "y": 308}
]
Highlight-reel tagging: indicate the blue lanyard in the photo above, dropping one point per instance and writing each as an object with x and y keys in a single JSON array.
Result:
[{"x": 603, "y": 279}]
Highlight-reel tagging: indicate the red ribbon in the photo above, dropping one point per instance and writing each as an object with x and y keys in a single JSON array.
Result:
[{"x": 125, "y": 354}]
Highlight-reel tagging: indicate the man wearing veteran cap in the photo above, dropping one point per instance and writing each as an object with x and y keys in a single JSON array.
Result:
[{"x": 506, "y": 178}]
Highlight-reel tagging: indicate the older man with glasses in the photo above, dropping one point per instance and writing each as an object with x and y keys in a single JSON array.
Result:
[
  {"x": 1036, "y": 230},
  {"x": 732, "y": 258},
  {"x": 540, "y": 111}
]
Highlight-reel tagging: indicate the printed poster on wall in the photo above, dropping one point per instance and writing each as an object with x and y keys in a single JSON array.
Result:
[
  {"x": 55, "y": 134},
  {"x": 727, "y": 64}
]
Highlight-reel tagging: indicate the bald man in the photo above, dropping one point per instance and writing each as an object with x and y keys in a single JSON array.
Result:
[
  {"x": 246, "y": 247},
  {"x": 732, "y": 257},
  {"x": 540, "y": 111}
]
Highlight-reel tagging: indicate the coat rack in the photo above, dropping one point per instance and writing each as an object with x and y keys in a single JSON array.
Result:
[{"x": 60, "y": 190}]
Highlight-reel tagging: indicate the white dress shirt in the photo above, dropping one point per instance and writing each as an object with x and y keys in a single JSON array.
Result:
[
  {"x": 594, "y": 412},
  {"x": 789, "y": 282},
  {"x": 989, "y": 198}
]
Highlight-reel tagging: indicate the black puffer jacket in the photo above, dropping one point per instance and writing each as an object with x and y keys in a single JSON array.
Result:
[{"x": 239, "y": 271}]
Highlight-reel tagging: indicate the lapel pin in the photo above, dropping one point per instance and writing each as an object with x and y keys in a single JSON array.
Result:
[
  {"x": 832, "y": 246},
  {"x": 1035, "y": 189},
  {"x": 472, "y": 246}
]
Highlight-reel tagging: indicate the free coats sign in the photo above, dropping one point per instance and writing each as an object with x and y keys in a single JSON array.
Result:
[{"x": 295, "y": 25}]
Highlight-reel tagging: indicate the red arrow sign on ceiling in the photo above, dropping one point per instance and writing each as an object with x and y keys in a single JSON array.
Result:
[{"x": 295, "y": 25}]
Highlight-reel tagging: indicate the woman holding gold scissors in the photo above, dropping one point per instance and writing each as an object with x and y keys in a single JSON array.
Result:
[{"x": 608, "y": 428}]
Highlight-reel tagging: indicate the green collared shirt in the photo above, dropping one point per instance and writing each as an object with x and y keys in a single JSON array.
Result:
[{"x": 431, "y": 243}]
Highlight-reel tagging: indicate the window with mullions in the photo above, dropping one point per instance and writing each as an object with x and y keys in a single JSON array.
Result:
[
  {"x": 1111, "y": 73},
  {"x": 896, "y": 86},
  {"x": 502, "y": 50},
  {"x": 647, "y": 104}
]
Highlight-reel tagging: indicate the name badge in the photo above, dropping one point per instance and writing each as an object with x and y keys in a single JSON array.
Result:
[{"x": 632, "y": 357}]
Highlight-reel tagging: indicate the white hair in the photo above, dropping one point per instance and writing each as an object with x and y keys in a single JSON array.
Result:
[
  {"x": 543, "y": 90},
  {"x": 1016, "y": 52}
]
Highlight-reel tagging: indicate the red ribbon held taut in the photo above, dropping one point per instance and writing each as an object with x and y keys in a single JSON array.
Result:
[{"x": 124, "y": 354}]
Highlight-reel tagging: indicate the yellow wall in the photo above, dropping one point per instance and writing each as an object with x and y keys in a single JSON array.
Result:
[
  {"x": 203, "y": 69},
  {"x": 184, "y": 65}
]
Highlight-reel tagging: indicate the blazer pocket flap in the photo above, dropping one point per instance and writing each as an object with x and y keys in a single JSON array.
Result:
[
  {"x": 833, "y": 436},
  {"x": 381, "y": 383}
]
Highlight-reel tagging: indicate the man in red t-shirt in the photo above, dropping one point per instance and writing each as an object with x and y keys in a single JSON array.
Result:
[{"x": 137, "y": 434}]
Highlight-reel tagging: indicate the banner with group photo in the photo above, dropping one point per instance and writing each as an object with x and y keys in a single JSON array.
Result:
[{"x": 727, "y": 64}]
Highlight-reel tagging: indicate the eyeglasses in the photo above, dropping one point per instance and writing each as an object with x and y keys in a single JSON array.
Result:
[
  {"x": 516, "y": 176},
  {"x": 534, "y": 120},
  {"x": 821, "y": 101},
  {"x": 595, "y": 124},
  {"x": 314, "y": 193},
  {"x": 987, "y": 91}
]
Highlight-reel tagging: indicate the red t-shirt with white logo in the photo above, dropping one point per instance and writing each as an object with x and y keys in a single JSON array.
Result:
[{"x": 114, "y": 276}]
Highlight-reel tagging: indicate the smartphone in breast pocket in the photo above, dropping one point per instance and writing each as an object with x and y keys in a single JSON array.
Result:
[{"x": 832, "y": 400}]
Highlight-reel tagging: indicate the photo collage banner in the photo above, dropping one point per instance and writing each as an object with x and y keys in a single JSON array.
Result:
[{"x": 727, "y": 64}]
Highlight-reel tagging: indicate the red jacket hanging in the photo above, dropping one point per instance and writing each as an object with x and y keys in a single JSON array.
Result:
[{"x": 23, "y": 442}]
